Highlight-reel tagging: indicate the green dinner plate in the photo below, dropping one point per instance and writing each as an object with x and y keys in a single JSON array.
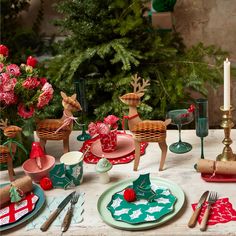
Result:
[
  {"x": 105, "y": 198},
  {"x": 37, "y": 191}
]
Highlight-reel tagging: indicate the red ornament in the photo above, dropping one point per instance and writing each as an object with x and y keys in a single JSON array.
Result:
[
  {"x": 191, "y": 108},
  {"x": 36, "y": 150},
  {"x": 129, "y": 195},
  {"x": 31, "y": 61},
  {"x": 46, "y": 183}
]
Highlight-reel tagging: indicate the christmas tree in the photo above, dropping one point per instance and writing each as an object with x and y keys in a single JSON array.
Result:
[
  {"x": 109, "y": 40},
  {"x": 14, "y": 194}
]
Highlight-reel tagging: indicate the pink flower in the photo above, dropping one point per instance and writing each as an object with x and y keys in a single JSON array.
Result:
[
  {"x": 13, "y": 70},
  {"x": 46, "y": 96},
  {"x": 1, "y": 67},
  {"x": 31, "y": 83},
  {"x": 8, "y": 97},
  {"x": 31, "y": 61},
  {"x": 44, "y": 99},
  {"x": 24, "y": 112},
  {"x": 112, "y": 121},
  {"x": 6, "y": 83},
  {"x": 4, "y": 50},
  {"x": 4, "y": 78},
  {"x": 43, "y": 81},
  {"x": 47, "y": 87}
]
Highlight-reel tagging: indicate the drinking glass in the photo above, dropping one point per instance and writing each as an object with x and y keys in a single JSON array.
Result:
[
  {"x": 201, "y": 120},
  {"x": 180, "y": 117},
  {"x": 80, "y": 91}
]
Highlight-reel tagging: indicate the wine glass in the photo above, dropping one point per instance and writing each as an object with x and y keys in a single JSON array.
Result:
[
  {"x": 201, "y": 120},
  {"x": 80, "y": 91},
  {"x": 180, "y": 117}
]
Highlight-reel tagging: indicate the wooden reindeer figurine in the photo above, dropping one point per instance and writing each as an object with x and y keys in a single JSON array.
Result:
[
  {"x": 8, "y": 149},
  {"x": 144, "y": 131},
  {"x": 59, "y": 129}
]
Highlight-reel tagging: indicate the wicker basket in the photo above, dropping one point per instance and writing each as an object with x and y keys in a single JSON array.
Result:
[
  {"x": 150, "y": 131},
  {"x": 46, "y": 130}
]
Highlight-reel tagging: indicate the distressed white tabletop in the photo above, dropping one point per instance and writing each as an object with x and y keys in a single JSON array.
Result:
[{"x": 178, "y": 168}]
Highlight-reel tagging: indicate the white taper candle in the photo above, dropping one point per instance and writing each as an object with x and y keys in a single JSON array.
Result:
[{"x": 226, "y": 84}]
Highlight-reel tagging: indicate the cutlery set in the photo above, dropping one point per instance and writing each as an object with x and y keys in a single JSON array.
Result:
[
  {"x": 212, "y": 197},
  {"x": 73, "y": 199}
]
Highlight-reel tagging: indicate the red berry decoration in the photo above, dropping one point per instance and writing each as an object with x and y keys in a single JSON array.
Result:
[
  {"x": 129, "y": 195},
  {"x": 191, "y": 108},
  {"x": 46, "y": 183}
]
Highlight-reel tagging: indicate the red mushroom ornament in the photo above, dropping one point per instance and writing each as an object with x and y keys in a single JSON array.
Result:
[{"x": 37, "y": 153}]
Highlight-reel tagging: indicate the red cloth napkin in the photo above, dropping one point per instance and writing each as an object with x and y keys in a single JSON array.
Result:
[
  {"x": 221, "y": 212},
  {"x": 15, "y": 211},
  {"x": 92, "y": 159}
]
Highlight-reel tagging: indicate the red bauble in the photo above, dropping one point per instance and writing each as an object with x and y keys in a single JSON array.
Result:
[
  {"x": 46, "y": 183},
  {"x": 191, "y": 108},
  {"x": 129, "y": 195}
]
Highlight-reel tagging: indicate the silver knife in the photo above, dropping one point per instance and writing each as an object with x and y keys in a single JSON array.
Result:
[
  {"x": 53, "y": 216},
  {"x": 193, "y": 219}
]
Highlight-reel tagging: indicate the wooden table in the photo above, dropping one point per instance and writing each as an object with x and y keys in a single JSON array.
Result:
[{"x": 179, "y": 168}]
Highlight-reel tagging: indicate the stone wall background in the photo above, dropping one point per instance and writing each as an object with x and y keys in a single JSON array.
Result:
[{"x": 208, "y": 21}]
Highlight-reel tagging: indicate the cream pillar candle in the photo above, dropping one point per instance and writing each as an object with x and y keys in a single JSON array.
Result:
[{"x": 226, "y": 84}]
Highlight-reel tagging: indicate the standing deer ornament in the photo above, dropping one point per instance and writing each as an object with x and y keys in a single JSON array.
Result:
[
  {"x": 147, "y": 130},
  {"x": 59, "y": 129},
  {"x": 8, "y": 149}
]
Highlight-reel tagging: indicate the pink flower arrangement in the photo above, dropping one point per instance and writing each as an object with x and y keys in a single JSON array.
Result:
[
  {"x": 109, "y": 123},
  {"x": 21, "y": 87}
]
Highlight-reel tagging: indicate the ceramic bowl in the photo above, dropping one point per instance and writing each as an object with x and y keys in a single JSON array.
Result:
[{"x": 30, "y": 168}]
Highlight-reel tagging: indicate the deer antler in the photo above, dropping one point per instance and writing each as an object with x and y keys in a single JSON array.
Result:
[
  {"x": 139, "y": 87},
  {"x": 142, "y": 87},
  {"x": 3, "y": 124},
  {"x": 135, "y": 83}
]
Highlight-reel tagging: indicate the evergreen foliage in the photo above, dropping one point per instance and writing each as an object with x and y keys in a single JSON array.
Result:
[
  {"x": 111, "y": 40},
  {"x": 23, "y": 41}
]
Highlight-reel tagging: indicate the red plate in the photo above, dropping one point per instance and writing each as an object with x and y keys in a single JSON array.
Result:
[
  {"x": 219, "y": 178},
  {"x": 125, "y": 145}
]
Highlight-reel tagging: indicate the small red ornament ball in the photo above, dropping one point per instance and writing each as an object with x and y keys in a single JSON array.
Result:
[
  {"x": 191, "y": 108},
  {"x": 129, "y": 195},
  {"x": 46, "y": 183}
]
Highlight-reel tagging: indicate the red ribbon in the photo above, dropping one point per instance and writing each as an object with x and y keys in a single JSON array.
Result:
[{"x": 127, "y": 118}]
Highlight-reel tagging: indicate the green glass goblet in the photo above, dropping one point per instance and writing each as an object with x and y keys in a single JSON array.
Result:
[
  {"x": 180, "y": 117},
  {"x": 201, "y": 120}
]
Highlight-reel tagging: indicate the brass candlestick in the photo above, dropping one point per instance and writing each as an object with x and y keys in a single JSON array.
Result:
[{"x": 227, "y": 124}]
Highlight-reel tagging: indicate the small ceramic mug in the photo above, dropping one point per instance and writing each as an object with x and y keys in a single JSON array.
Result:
[{"x": 73, "y": 166}]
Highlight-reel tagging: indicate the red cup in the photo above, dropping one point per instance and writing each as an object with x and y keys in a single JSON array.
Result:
[{"x": 109, "y": 141}]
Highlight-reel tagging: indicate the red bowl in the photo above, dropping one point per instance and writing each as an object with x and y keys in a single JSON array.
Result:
[{"x": 30, "y": 168}]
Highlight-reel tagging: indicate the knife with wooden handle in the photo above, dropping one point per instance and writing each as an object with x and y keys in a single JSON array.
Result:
[
  {"x": 53, "y": 216},
  {"x": 193, "y": 220}
]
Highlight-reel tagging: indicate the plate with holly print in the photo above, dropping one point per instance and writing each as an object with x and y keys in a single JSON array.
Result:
[{"x": 138, "y": 215}]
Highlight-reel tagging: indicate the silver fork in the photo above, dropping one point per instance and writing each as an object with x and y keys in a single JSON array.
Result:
[
  {"x": 212, "y": 199},
  {"x": 67, "y": 219}
]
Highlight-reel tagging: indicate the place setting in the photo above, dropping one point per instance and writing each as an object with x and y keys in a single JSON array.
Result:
[
  {"x": 108, "y": 142},
  {"x": 141, "y": 203}
]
